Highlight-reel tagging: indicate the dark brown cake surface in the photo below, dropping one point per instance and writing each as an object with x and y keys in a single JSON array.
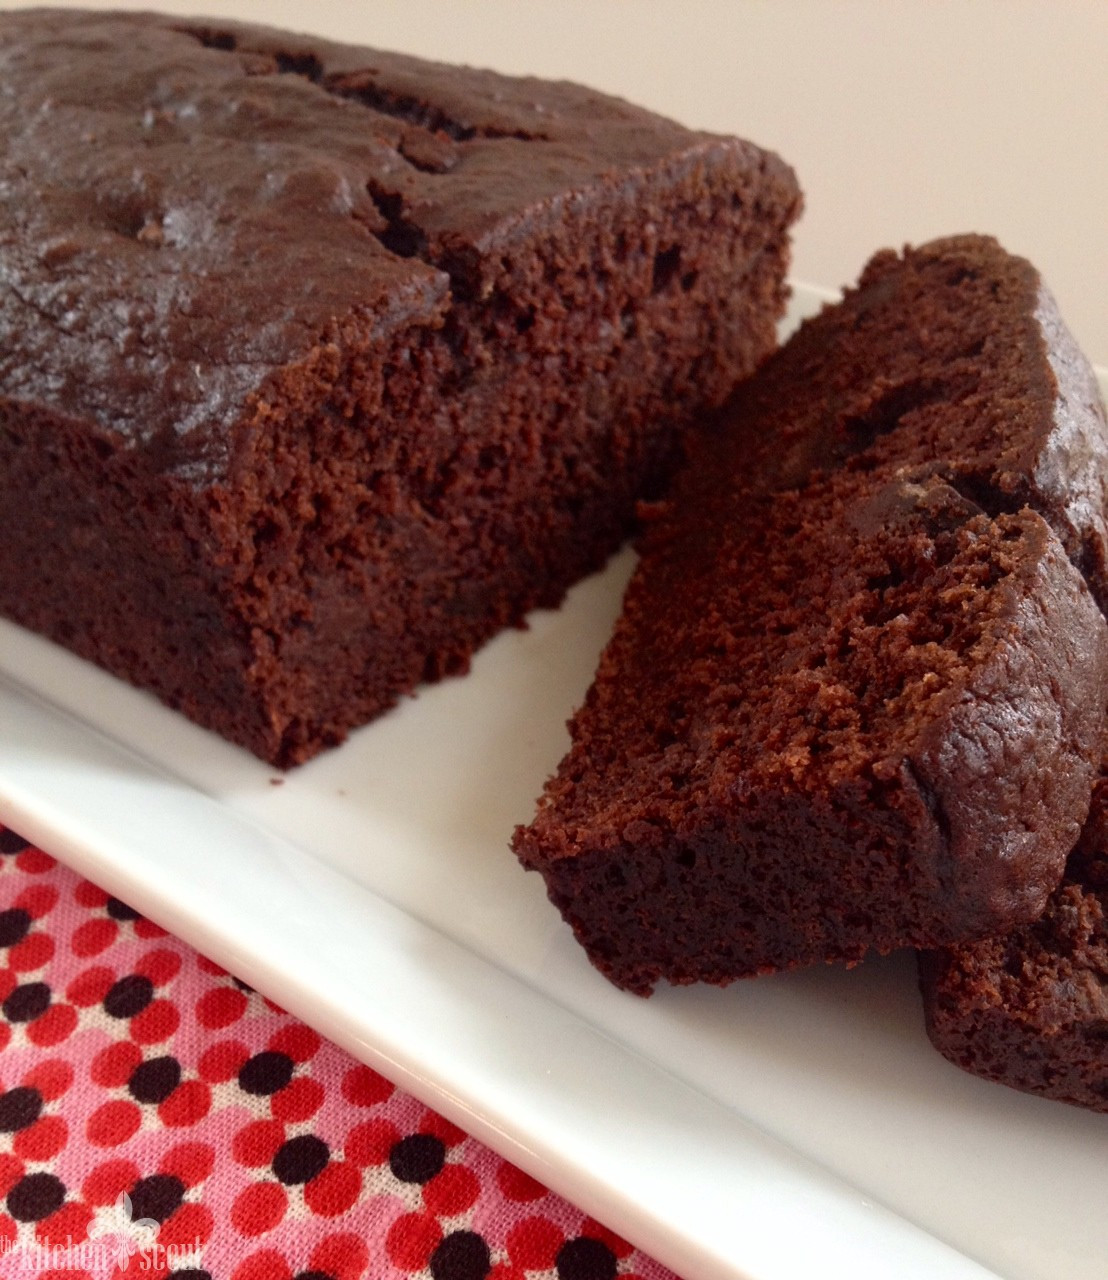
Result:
[
  {"x": 855, "y": 696},
  {"x": 1029, "y": 1009},
  {"x": 322, "y": 364}
]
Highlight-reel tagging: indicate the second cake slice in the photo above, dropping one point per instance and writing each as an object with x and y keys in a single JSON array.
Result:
[{"x": 856, "y": 695}]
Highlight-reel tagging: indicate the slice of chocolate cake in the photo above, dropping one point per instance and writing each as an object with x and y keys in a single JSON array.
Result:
[
  {"x": 319, "y": 365},
  {"x": 855, "y": 698},
  {"x": 1029, "y": 1009}
]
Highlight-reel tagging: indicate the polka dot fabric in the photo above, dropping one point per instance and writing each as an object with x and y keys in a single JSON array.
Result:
[{"x": 249, "y": 1147}]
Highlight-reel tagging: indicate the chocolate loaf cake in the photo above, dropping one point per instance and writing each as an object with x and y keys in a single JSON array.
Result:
[
  {"x": 855, "y": 699},
  {"x": 1029, "y": 1009},
  {"x": 319, "y": 365}
]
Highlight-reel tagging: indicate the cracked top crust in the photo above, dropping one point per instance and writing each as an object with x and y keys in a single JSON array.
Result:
[{"x": 188, "y": 206}]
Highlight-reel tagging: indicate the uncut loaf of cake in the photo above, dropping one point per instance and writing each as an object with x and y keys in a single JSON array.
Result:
[
  {"x": 1029, "y": 1009},
  {"x": 856, "y": 696},
  {"x": 319, "y": 365}
]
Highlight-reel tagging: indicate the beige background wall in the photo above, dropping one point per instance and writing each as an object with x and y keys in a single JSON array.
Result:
[{"x": 904, "y": 118}]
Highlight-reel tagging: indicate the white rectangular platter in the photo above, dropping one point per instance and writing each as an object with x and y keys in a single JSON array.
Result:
[{"x": 782, "y": 1129}]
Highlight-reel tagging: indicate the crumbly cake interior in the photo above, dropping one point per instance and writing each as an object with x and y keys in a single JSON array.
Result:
[{"x": 522, "y": 487}]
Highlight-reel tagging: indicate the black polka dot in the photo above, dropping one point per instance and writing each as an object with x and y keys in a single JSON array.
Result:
[
  {"x": 28, "y": 1001},
  {"x": 242, "y": 986},
  {"x": 121, "y": 911},
  {"x": 265, "y": 1073},
  {"x": 128, "y": 996},
  {"x": 35, "y": 1197},
  {"x": 586, "y": 1259},
  {"x": 13, "y": 926},
  {"x": 11, "y": 843},
  {"x": 462, "y": 1255},
  {"x": 418, "y": 1157},
  {"x": 19, "y": 1108},
  {"x": 155, "y": 1079},
  {"x": 300, "y": 1159},
  {"x": 313, "y": 1275},
  {"x": 190, "y": 1273},
  {"x": 156, "y": 1197}
]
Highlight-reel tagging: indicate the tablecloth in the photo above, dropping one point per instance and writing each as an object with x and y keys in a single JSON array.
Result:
[{"x": 158, "y": 1118}]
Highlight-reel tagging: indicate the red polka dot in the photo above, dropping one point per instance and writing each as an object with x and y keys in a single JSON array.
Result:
[
  {"x": 187, "y": 1104},
  {"x": 334, "y": 1190},
  {"x": 89, "y": 894},
  {"x": 157, "y": 1022},
  {"x": 220, "y": 1007},
  {"x": 371, "y": 1142},
  {"x": 192, "y": 1162},
  {"x": 113, "y": 1123},
  {"x": 5, "y": 1035},
  {"x": 209, "y": 966},
  {"x": 94, "y": 936},
  {"x": 65, "y": 1273},
  {"x": 453, "y": 1189},
  {"x": 533, "y": 1244},
  {"x": 517, "y": 1185},
  {"x": 190, "y": 1223},
  {"x": 39, "y": 900},
  {"x": 259, "y": 1208},
  {"x": 442, "y": 1128},
  {"x": 51, "y": 1078},
  {"x": 41, "y": 1140},
  {"x": 344, "y": 1256},
  {"x": 34, "y": 862},
  {"x": 256, "y": 1143},
  {"x": 56, "y": 1024},
  {"x": 107, "y": 1182},
  {"x": 222, "y": 1061},
  {"x": 298, "y": 1100},
  {"x": 266, "y": 1265},
  {"x": 113, "y": 1066},
  {"x": 148, "y": 929},
  {"x": 11, "y": 1170},
  {"x": 69, "y": 1223},
  {"x": 275, "y": 1007},
  {"x": 8, "y": 980},
  {"x": 90, "y": 986},
  {"x": 159, "y": 966},
  {"x": 32, "y": 953},
  {"x": 8, "y": 1229},
  {"x": 364, "y": 1087},
  {"x": 296, "y": 1040},
  {"x": 412, "y": 1239},
  {"x": 597, "y": 1231}
]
